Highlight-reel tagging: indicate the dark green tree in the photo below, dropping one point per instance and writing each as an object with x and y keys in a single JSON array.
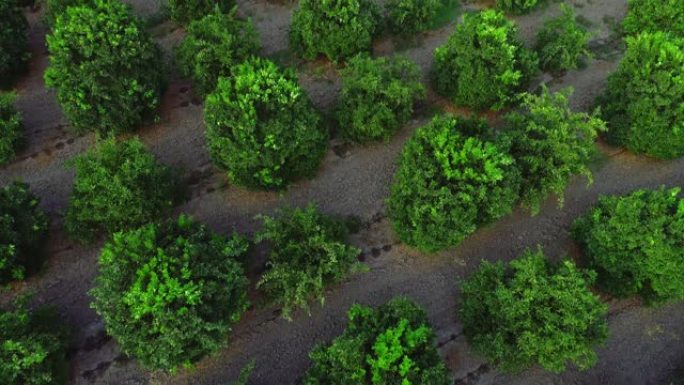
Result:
[
  {"x": 23, "y": 229},
  {"x": 11, "y": 130},
  {"x": 377, "y": 97},
  {"x": 483, "y": 64},
  {"x": 118, "y": 186},
  {"x": 213, "y": 46},
  {"x": 32, "y": 347},
  {"x": 392, "y": 344},
  {"x": 644, "y": 97},
  {"x": 169, "y": 293},
  {"x": 654, "y": 16},
  {"x": 262, "y": 128},
  {"x": 550, "y": 144},
  {"x": 517, "y": 6},
  {"x": 308, "y": 251},
  {"x": 412, "y": 16},
  {"x": 449, "y": 183},
  {"x": 562, "y": 42},
  {"x": 636, "y": 243},
  {"x": 106, "y": 70},
  {"x": 185, "y": 11},
  {"x": 335, "y": 28},
  {"x": 13, "y": 49},
  {"x": 533, "y": 312}
]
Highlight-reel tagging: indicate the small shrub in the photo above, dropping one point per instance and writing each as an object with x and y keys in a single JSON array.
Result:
[
  {"x": 654, "y": 16},
  {"x": 170, "y": 293},
  {"x": 377, "y": 97},
  {"x": 185, "y": 11},
  {"x": 533, "y": 312},
  {"x": 118, "y": 186},
  {"x": 54, "y": 8},
  {"x": 483, "y": 64},
  {"x": 550, "y": 144},
  {"x": 23, "y": 228},
  {"x": 11, "y": 130},
  {"x": 335, "y": 28},
  {"x": 13, "y": 48},
  {"x": 412, "y": 16},
  {"x": 261, "y": 127},
  {"x": 32, "y": 348},
  {"x": 636, "y": 243},
  {"x": 644, "y": 97},
  {"x": 392, "y": 344},
  {"x": 449, "y": 183},
  {"x": 517, "y": 6},
  {"x": 308, "y": 251},
  {"x": 213, "y": 46},
  {"x": 562, "y": 42},
  {"x": 106, "y": 69}
]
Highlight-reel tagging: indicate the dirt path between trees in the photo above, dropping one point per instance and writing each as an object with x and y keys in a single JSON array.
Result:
[{"x": 645, "y": 344}]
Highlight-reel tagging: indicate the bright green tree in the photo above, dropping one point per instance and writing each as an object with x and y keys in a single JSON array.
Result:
[{"x": 562, "y": 42}]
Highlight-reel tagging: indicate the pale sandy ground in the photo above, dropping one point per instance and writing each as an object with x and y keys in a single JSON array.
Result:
[{"x": 645, "y": 346}]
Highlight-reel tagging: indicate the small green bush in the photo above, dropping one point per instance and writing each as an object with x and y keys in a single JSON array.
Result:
[
  {"x": 533, "y": 312},
  {"x": 392, "y": 344},
  {"x": 118, "y": 186},
  {"x": 23, "y": 228},
  {"x": 54, "y": 8},
  {"x": 106, "y": 69},
  {"x": 262, "y": 128},
  {"x": 213, "y": 46},
  {"x": 636, "y": 243},
  {"x": 185, "y": 11},
  {"x": 517, "y": 6},
  {"x": 550, "y": 144},
  {"x": 170, "y": 293},
  {"x": 335, "y": 28},
  {"x": 654, "y": 16},
  {"x": 308, "y": 251},
  {"x": 32, "y": 347},
  {"x": 412, "y": 16},
  {"x": 644, "y": 97},
  {"x": 377, "y": 97},
  {"x": 562, "y": 42},
  {"x": 13, "y": 49},
  {"x": 11, "y": 130},
  {"x": 483, "y": 65},
  {"x": 449, "y": 183}
]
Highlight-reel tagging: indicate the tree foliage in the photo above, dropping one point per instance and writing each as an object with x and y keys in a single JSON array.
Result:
[
  {"x": 483, "y": 64},
  {"x": 105, "y": 68},
  {"x": 118, "y": 185},
  {"x": 449, "y": 183},
  {"x": 262, "y": 128},
  {"x": 531, "y": 312},
  {"x": 377, "y": 96},
  {"x": 550, "y": 144},
  {"x": 412, "y": 16},
  {"x": 169, "y": 293},
  {"x": 517, "y": 6},
  {"x": 32, "y": 347},
  {"x": 13, "y": 49},
  {"x": 11, "y": 130},
  {"x": 334, "y": 28},
  {"x": 562, "y": 42},
  {"x": 654, "y": 16},
  {"x": 213, "y": 46},
  {"x": 636, "y": 243},
  {"x": 307, "y": 252},
  {"x": 185, "y": 11},
  {"x": 54, "y": 8},
  {"x": 644, "y": 100},
  {"x": 390, "y": 345},
  {"x": 23, "y": 228}
]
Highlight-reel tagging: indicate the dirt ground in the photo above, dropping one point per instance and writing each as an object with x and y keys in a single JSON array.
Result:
[{"x": 645, "y": 344}]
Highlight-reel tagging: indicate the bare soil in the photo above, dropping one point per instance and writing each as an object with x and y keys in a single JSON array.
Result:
[{"x": 645, "y": 344}]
